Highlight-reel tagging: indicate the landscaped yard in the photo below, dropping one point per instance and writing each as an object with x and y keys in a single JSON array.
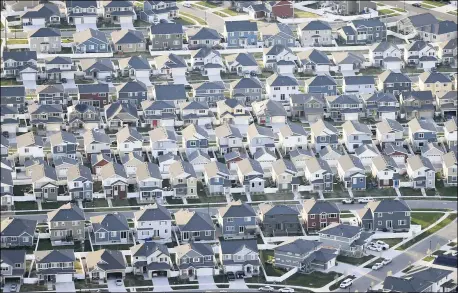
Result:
[
  {"x": 314, "y": 280},
  {"x": 353, "y": 260},
  {"x": 239, "y": 196},
  {"x": 375, "y": 192},
  {"x": 113, "y": 246},
  {"x": 229, "y": 11},
  {"x": 304, "y": 14},
  {"x": 445, "y": 191},
  {"x": 268, "y": 256},
  {"x": 221, "y": 279},
  {"x": 178, "y": 281},
  {"x": 434, "y": 3},
  {"x": 82, "y": 284},
  {"x": 124, "y": 202},
  {"x": 195, "y": 18},
  {"x": 407, "y": 191},
  {"x": 453, "y": 12},
  {"x": 25, "y": 205},
  {"x": 171, "y": 200},
  {"x": 431, "y": 231},
  {"x": 347, "y": 216},
  {"x": 425, "y": 219},
  {"x": 33, "y": 288},
  {"x": 184, "y": 21},
  {"x": 271, "y": 196},
  {"x": 51, "y": 205},
  {"x": 207, "y": 4},
  {"x": 392, "y": 241},
  {"x": 399, "y": 9},
  {"x": 16, "y": 41},
  {"x": 370, "y": 71},
  {"x": 96, "y": 203},
  {"x": 5, "y": 82},
  {"x": 132, "y": 280},
  {"x": 385, "y": 11}
]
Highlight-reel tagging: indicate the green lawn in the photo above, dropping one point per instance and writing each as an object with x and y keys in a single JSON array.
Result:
[
  {"x": 425, "y": 234},
  {"x": 239, "y": 196},
  {"x": 266, "y": 255},
  {"x": 32, "y": 288},
  {"x": 392, "y": 241},
  {"x": 184, "y": 21},
  {"x": 230, "y": 12},
  {"x": 132, "y": 281},
  {"x": 314, "y": 280},
  {"x": 445, "y": 191},
  {"x": 425, "y": 219},
  {"x": 195, "y": 18},
  {"x": 271, "y": 196},
  {"x": 407, "y": 191},
  {"x": 399, "y": 9},
  {"x": 370, "y": 71},
  {"x": 304, "y": 14},
  {"x": 453, "y": 12},
  {"x": 429, "y": 258},
  {"x": 16, "y": 41},
  {"x": 424, "y": 5},
  {"x": 434, "y": 3},
  {"x": 124, "y": 202},
  {"x": 375, "y": 192},
  {"x": 51, "y": 205},
  {"x": 81, "y": 284},
  {"x": 207, "y": 4},
  {"x": 178, "y": 281},
  {"x": 171, "y": 200},
  {"x": 354, "y": 260},
  {"x": 380, "y": 4},
  {"x": 221, "y": 279},
  {"x": 25, "y": 205},
  {"x": 219, "y": 14},
  {"x": 385, "y": 11},
  {"x": 347, "y": 215},
  {"x": 96, "y": 203},
  {"x": 66, "y": 41}
]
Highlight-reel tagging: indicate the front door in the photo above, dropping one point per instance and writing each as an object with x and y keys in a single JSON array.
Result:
[
  {"x": 241, "y": 229},
  {"x": 123, "y": 234},
  {"x": 185, "y": 235},
  {"x": 389, "y": 224},
  {"x": 115, "y": 190}
]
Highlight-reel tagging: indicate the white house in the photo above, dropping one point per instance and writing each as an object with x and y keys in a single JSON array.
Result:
[
  {"x": 96, "y": 142},
  {"x": 149, "y": 182},
  {"x": 389, "y": 131},
  {"x": 366, "y": 153},
  {"x": 292, "y": 136},
  {"x": 153, "y": 222},
  {"x": 280, "y": 87},
  {"x": 129, "y": 140},
  {"x": 421, "y": 54},
  {"x": 385, "y": 55},
  {"x": 29, "y": 146},
  {"x": 279, "y": 59},
  {"x": 433, "y": 152},
  {"x": 450, "y": 132},
  {"x": 260, "y": 137},
  {"x": 355, "y": 134},
  {"x": 162, "y": 141},
  {"x": 421, "y": 172}
]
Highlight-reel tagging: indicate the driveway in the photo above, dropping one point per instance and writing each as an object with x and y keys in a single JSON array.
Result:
[
  {"x": 65, "y": 287},
  {"x": 82, "y": 26},
  {"x": 216, "y": 77},
  {"x": 7, "y": 288},
  {"x": 180, "y": 79},
  {"x": 30, "y": 84},
  {"x": 238, "y": 284},
  {"x": 127, "y": 24},
  {"x": 206, "y": 283},
  {"x": 112, "y": 287},
  {"x": 161, "y": 284}
]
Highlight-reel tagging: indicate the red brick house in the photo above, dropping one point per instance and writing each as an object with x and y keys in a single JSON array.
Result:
[
  {"x": 93, "y": 94},
  {"x": 283, "y": 9},
  {"x": 319, "y": 214}
]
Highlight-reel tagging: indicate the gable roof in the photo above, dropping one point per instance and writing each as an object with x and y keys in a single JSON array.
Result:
[
  {"x": 248, "y": 165},
  {"x": 145, "y": 249},
  {"x": 166, "y": 29},
  {"x": 246, "y": 83},
  {"x": 67, "y": 212},
  {"x": 148, "y": 170},
  {"x": 127, "y": 36},
  {"x": 316, "y": 25},
  {"x": 181, "y": 167},
  {"x": 341, "y": 230},
  {"x": 241, "y": 25},
  {"x": 17, "y": 226},
  {"x": 389, "y": 76},
  {"x": 155, "y": 212},
  {"x": 359, "y": 79},
  {"x": 321, "y": 126},
  {"x": 19, "y": 56},
  {"x": 388, "y": 205},
  {"x": 110, "y": 222},
  {"x": 95, "y": 135},
  {"x": 312, "y": 206},
  {"x": 80, "y": 172},
  {"x": 421, "y": 125},
  {"x": 236, "y": 209},
  {"x": 216, "y": 169},
  {"x": 314, "y": 56},
  {"x": 44, "y": 32},
  {"x": 127, "y": 132},
  {"x": 82, "y": 36},
  {"x": 347, "y": 162},
  {"x": 205, "y": 33},
  {"x": 281, "y": 80},
  {"x": 352, "y": 126},
  {"x": 111, "y": 169},
  {"x": 416, "y": 281},
  {"x": 417, "y": 162},
  {"x": 105, "y": 259},
  {"x": 188, "y": 220},
  {"x": 57, "y": 255},
  {"x": 320, "y": 80},
  {"x": 433, "y": 77},
  {"x": 93, "y": 88},
  {"x": 234, "y": 246},
  {"x": 298, "y": 246},
  {"x": 136, "y": 62},
  {"x": 169, "y": 92},
  {"x": 269, "y": 209}
]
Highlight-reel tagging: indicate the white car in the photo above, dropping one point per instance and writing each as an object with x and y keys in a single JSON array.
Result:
[
  {"x": 13, "y": 288},
  {"x": 267, "y": 288},
  {"x": 365, "y": 199},
  {"x": 346, "y": 283},
  {"x": 386, "y": 261},
  {"x": 348, "y": 201},
  {"x": 377, "y": 266},
  {"x": 382, "y": 244},
  {"x": 291, "y": 290},
  {"x": 119, "y": 282},
  {"x": 374, "y": 247},
  {"x": 187, "y": 4}
]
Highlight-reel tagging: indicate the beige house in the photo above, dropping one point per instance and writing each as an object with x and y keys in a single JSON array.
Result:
[
  {"x": 315, "y": 33},
  {"x": 449, "y": 168},
  {"x": 183, "y": 179},
  {"x": 126, "y": 40},
  {"x": 283, "y": 172},
  {"x": 45, "y": 40},
  {"x": 438, "y": 83}
]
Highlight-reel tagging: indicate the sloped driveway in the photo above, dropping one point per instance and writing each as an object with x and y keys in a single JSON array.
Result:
[
  {"x": 65, "y": 287},
  {"x": 161, "y": 284},
  {"x": 238, "y": 284},
  {"x": 206, "y": 282}
]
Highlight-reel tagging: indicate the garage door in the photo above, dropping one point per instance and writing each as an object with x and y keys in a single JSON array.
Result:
[
  {"x": 61, "y": 278},
  {"x": 205, "y": 272},
  {"x": 78, "y": 20}
]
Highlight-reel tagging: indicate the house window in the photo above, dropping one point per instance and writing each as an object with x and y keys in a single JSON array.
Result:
[
  {"x": 313, "y": 224},
  {"x": 379, "y": 215},
  {"x": 208, "y": 233},
  {"x": 195, "y": 259},
  {"x": 196, "y": 234},
  {"x": 229, "y": 228},
  {"x": 247, "y": 219},
  {"x": 401, "y": 222},
  {"x": 312, "y": 216},
  {"x": 379, "y": 223},
  {"x": 407, "y": 214},
  {"x": 421, "y": 135},
  {"x": 208, "y": 257},
  {"x": 230, "y": 220},
  {"x": 17, "y": 265}
]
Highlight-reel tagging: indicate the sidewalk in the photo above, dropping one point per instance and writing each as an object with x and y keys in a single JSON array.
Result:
[{"x": 445, "y": 8}]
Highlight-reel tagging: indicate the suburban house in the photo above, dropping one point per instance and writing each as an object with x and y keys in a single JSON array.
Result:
[
  {"x": 63, "y": 144},
  {"x": 323, "y": 133},
  {"x": 240, "y": 255},
  {"x": 82, "y": 12},
  {"x": 195, "y": 259},
  {"x": 279, "y": 220},
  {"x": 90, "y": 41},
  {"x": 385, "y": 169},
  {"x": 149, "y": 181},
  {"x": 41, "y": 15},
  {"x": 315, "y": 33},
  {"x": 358, "y": 85},
  {"x": 66, "y": 224},
  {"x": 246, "y": 90},
  {"x": 216, "y": 176},
  {"x": 163, "y": 140},
  {"x": 277, "y": 33},
  {"x": 386, "y": 55},
  {"x": 393, "y": 82},
  {"x": 319, "y": 214},
  {"x": 194, "y": 226},
  {"x": 130, "y": 162},
  {"x": 351, "y": 7},
  {"x": 233, "y": 112},
  {"x": 355, "y": 134},
  {"x": 421, "y": 172},
  {"x": 105, "y": 264},
  {"x": 279, "y": 59},
  {"x": 203, "y": 37},
  {"x": 100, "y": 69},
  {"x": 284, "y": 175},
  {"x": 16, "y": 64},
  {"x": 228, "y": 138},
  {"x": 208, "y": 61},
  {"x": 135, "y": 66},
  {"x": 111, "y": 228},
  {"x": 129, "y": 140},
  {"x": 331, "y": 154},
  {"x": 44, "y": 182},
  {"x": 98, "y": 161},
  {"x": 55, "y": 266},
  {"x": 425, "y": 279},
  {"x": 380, "y": 106},
  {"x": 45, "y": 40},
  {"x": 82, "y": 118},
  {"x": 421, "y": 54},
  {"x": 79, "y": 182},
  {"x": 282, "y": 9},
  {"x": 318, "y": 174},
  {"x": 237, "y": 220},
  {"x": 449, "y": 168},
  {"x": 363, "y": 31},
  {"x": 351, "y": 172},
  {"x": 14, "y": 266},
  {"x": 194, "y": 138},
  {"x": 418, "y": 104},
  {"x": 313, "y": 60},
  {"x": 398, "y": 152},
  {"x": 119, "y": 12},
  {"x": 153, "y": 222},
  {"x": 346, "y": 107},
  {"x": 242, "y": 63},
  {"x": 17, "y": 232},
  {"x": 173, "y": 93},
  {"x": 421, "y": 132},
  {"x": 260, "y": 137},
  {"x": 129, "y": 41},
  {"x": 322, "y": 84},
  {"x": 241, "y": 34},
  {"x": 448, "y": 104},
  {"x": 447, "y": 52},
  {"x": 96, "y": 141},
  {"x": 436, "y": 82},
  {"x": 114, "y": 180},
  {"x": 156, "y": 10},
  {"x": 51, "y": 94},
  {"x": 184, "y": 179},
  {"x": 292, "y": 136},
  {"x": 280, "y": 87},
  {"x": 433, "y": 152},
  {"x": 152, "y": 258},
  {"x": 159, "y": 113},
  {"x": 210, "y": 92},
  {"x": 29, "y": 146},
  {"x": 165, "y": 36},
  {"x": 269, "y": 112},
  {"x": 307, "y": 107},
  {"x": 305, "y": 255},
  {"x": 197, "y": 113},
  {"x": 46, "y": 117},
  {"x": 95, "y": 95},
  {"x": 451, "y": 132},
  {"x": 389, "y": 131},
  {"x": 250, "y": 175},
  {"x": 121, "y": 115},
  {"x": 349, "y": 62},
  {"x": 348, "y": 240},
  {"x": 58, "y": 68},
  {"x": 385, "y": 215}
]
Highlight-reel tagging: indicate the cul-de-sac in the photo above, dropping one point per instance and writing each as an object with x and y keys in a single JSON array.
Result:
[{"x": 228, "y": 146}]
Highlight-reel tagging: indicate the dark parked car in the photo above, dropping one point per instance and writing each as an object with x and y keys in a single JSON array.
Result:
[
  {"x": 230, "y": 276},
  {"x": 416, "y": 5},
  {"x": 240, "y": 274}
]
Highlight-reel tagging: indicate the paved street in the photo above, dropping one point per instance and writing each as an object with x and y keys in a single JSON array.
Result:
[
  {"x": 400, "y": 262},
  {"x": 213, "y": 20},
  {"x": 418, "y": 10}
]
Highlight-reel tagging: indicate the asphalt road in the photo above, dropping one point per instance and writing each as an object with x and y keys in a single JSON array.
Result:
[
  {"x": 213, "y": 20},
  {"x": 419, "y": 10},
  {"x": 402, "y": 261},
  {"x": 413, "y": 204}
]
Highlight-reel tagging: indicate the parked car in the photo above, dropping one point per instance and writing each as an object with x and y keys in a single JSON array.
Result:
[
  {"x": 119, "y": 282},
  {"x": 348, "y": 200},
  {"x": 346, "y": 283},
  {"x": 13, "y": 287},
  {"x": 230, "y": 276},
  {"x": 416, "y": 5},
  {"x": 373, "y": 246},
  {"x": 286, "y": 290},
  {"x": 365, "y": 199},
  {"x": 377, "y": 266},
  {"x": 386, "y": 261},
  {"x": 382, "y": 244},
  {"x": 187, "y": 4},
  {"x": 266, "y": 288},
  {"x": 240, "y": 274}
]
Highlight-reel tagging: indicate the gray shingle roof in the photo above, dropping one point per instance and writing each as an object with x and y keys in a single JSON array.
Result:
[
  {"x": 126, "y": 36},
  {"x": 13, "y": 91},
  {"x": 236, "y": 209},
  {"x": 12, "y": 257},
  {"x": 359, "y": 79},
  {"x": 382, "y": 46},
  {"x": 270, "y": 209},
  {"x": 106, "y": 260},
  {"x": 147, "y": 248},
  {"x": 246, "y": 59},
  {"x": 57, "y": 255},
  {"x": 79, "y": 172},
  {"x": 67, "y": 212},
  {"x": 388, "y": 205},
  {"x": 417, "y": 281},
  {"x": 281, "y": 80},
  {"x": 166, "y": 29},
  {"x": 17, "y": 226},
  {"x": 423, "y": 19},
  {"x": 371, "y": 22},
  {"x": 433, "y": 77},
  {"x": 443, "y": 27},
  {"x": 241, "y": 25},
  {"x": 247, "y": 83},
  {"x": 93, "y": 88},
  {"x": 136, "y": 62},
  {"x": 341, "y": 230},
  {"x": 110, "y": 222},
  {"x": 188, "y": 220},
  {"x": 45, "y": 32},
  {"x": 314, "y": 56},
  {"x": 20, "y": 56},
  {"x": 300, "y": 246},
  {"x": 206, "y": 33},
  {"x": 389, "y": 76},
  {"x": 120, "y": 110},
  {"x": 82, "y": 36},
  {"x": 312, "y": 206},
  {"x": 316, "y": 25},
  {"x": 418, "y": 95},
  {"x": 321, "y": 80},
  {"x": 170, "y": 92},
  {"x": 233, "y": 246},
  {"x": 155, "y": 212}
]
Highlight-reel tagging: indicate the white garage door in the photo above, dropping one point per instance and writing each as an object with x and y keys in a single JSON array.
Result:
[
  {"x": 78, "y": 20},
  {"x": 64, "y": 278},
  {"x": 181, "y": 79},
  {"x": 205, "y": 272}
]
